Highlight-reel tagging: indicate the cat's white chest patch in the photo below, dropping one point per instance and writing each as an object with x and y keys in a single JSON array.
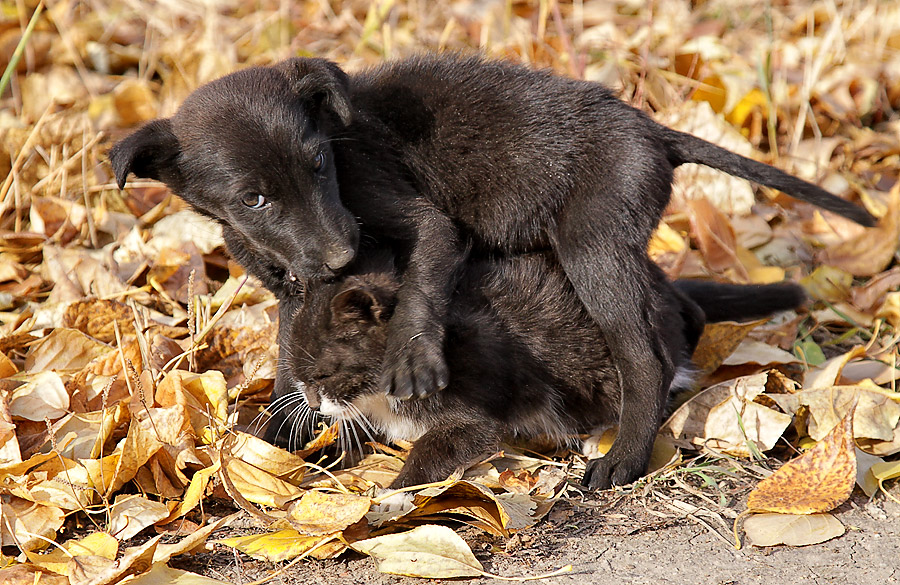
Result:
[{"x": 377, "y": 407}]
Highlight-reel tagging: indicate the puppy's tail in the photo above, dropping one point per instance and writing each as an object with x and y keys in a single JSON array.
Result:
[
  {"x": 684, "y": 148},
  {"x": 739, "y": 302}
]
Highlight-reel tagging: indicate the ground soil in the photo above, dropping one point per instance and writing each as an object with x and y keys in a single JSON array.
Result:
[{"x": 615, "y": 539}]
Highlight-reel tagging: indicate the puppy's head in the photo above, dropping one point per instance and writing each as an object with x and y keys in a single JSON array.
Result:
[{"x": 252, "y": 150}]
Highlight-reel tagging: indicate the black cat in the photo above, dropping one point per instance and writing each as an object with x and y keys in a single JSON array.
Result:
[
  {"x": 525, "y": 358},
  {"x": 446, "y": 156}
]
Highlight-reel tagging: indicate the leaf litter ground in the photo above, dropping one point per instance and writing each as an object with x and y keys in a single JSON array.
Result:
[{"x": 135, "y": 357}]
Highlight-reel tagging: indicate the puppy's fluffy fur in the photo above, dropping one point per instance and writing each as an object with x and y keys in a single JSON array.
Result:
[{"x": 447, "y": 156}]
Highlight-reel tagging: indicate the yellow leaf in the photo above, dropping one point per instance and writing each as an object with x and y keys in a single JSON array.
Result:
[
  {"x": 791, "y": 529},
  {"x": 751, "y": 351},
  {"x": 134, "y": 101},
  {"x": 886, "y": 470},
  {"x": 318, "y": 513},
  {"x": 828, "y": 283},
  {"x": 715, "y": 416},
  {"x": 194, "y": 492},
  {"x": 140, "y": 444},
  {"x": 204, "y": 396},
  {"x": 276, "y": 546},
  {"x": 890, "y": 309},
  {"x": 98, "y": 544},
  {"x": 817, "y": 481},
  {"x": 755, "y": 100},
  {"x": 876, "y": 417},
  {"x": 665, "y": 240},
  {"x": 428, "y": 552},
  {"x": 28, "y": 575},
  {"x": 865, "y": 479}
]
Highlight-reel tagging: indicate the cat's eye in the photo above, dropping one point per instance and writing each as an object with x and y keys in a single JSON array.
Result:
[
  {"x": 319, "y": 162},
  {"x": 254, "y": 200}
]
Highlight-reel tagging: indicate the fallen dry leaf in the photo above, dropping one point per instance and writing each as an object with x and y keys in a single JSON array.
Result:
[
  {"x": 429, "y": 552},
  {"x": 817, "y": 481},
  {"x": 791, "y": 529},
  {"x": 282, "y": 545},
  {"x": 319, "y": 513}
]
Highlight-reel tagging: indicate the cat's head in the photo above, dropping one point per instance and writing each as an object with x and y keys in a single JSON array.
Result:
[{"x": 337, "y": 341}]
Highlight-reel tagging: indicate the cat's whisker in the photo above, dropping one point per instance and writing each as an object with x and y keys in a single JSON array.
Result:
[{"x": 365, "y": 424}]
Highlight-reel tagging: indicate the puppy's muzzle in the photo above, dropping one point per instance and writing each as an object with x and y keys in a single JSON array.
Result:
[{"x": 338, "y": 257}]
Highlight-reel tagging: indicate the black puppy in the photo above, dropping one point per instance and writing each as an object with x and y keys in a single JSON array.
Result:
[
  {"x": 445, "y": 155},
  {"x": 525, "y": 358}
]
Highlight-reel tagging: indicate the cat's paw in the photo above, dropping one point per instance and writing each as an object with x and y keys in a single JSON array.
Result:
[
  {"x": 391, "y": 507},
  {"x": 415, "y": 370}
]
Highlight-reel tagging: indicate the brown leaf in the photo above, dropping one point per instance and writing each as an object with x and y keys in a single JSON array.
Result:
[
  {"x": 64, "y": 350},
  {"x": 95, "y": 317},
  {"x": 714, "y": 235},
  {"x": 817, "y": 481},
  {"x": 718, "y": 341}
]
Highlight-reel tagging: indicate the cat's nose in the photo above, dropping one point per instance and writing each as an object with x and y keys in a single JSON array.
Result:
[
  {"x": 312, "y": 398},
  {"x": 337, "y": 257}
]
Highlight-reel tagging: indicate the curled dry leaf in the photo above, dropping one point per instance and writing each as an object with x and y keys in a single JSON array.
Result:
[
  {"x": 726, "y": 418},
  {"x": 817, "y": 481}
]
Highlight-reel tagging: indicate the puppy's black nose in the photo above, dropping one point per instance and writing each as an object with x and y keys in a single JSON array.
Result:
[{"x": 337, "y": 257}]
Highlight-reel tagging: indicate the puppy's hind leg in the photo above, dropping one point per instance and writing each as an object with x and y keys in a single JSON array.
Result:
[{"x": 605, "y": 260}]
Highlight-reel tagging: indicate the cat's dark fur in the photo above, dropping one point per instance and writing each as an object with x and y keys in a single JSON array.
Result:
[
  {"x": 446, "y": 155},
  {"x": 525, "y": 358}
]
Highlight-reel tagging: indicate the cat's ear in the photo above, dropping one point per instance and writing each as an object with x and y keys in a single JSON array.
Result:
[
  {"x": 320, "y": 83},
  {"x": 359, "y": 303},
  {"x": 149, "y": 153}
]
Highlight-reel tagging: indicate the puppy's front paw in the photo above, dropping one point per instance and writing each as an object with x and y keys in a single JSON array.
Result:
[
  {"x": 415, "y": 370},
  {"x": 602, "y": 474}
]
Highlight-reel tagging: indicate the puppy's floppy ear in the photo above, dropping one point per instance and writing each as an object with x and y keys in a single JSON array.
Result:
[
  {"x": 148, "y": 153},
  {"x": 362, "y": 302},
  {"x": 320, "y": 82}
]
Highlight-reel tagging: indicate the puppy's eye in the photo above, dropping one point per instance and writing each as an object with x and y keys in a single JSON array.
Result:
[
  {"x": 254, "y": 200},
  {"x": 319, "y": 162}
]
